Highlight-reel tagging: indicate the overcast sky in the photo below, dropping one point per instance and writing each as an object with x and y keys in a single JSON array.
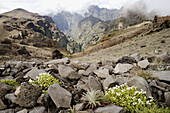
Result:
[{"x": 49, "y": 6}]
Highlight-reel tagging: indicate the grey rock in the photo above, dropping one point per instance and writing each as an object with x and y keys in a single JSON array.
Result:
[
  {"x": 111, "y": 108},
  {"x": 110, "y": 68},
  {"x": 11, "y": 97},
  {"x": 60, "y": 96},
  {"x": 122, "y": 68},
  {"x": 90, "y": 69},
  {"x": 2, "y": 105},
  {"x": 79, "y": 107},
  {"x": 7, "y": 78},
  {"x": 102, "y": 72},
  {"x": 82, "y": 85},
  {"x": 4, "y": 88},
  {"x": 12, "y": 64},
  {"x": 40, "y": 109},
  {"x": 23, "y": 111},
  {"x": 136, "y": 56},
  {"x": 7, "y": 111},
  {"x": 73, "y": 75},
  {"x": 107, "y": 62},
  {"x": 127, "y": 60},
  {"x": 143, "y": 64},
  {"x": 109, "y": 81},
  {"x": 162, "y": 75},
  {"x": 58, "y": 61},
  {"x": 80, "y": 65},
  {"x": 140, "y": 83},
  {"x": 42, "y": 99},
  {"x": 94, "y": 84},
  {"x": 167, "y": 98},
  {"x": 153, "y": 83},
  {"x": 27, "y": 95},
  {"x": 34, "y": 72}
]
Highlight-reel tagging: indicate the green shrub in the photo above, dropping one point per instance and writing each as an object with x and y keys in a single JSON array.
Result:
[
  {"x": 44, "y": 80},
  {"x": 10, "y": 82},
  {"x": 129, "y": 98},
  {"x": 155, "y": 109},
  {"x": 94, "y": 98}
]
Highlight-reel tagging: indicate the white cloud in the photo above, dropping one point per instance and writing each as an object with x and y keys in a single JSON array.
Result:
[{"x": 47, "y": 6}]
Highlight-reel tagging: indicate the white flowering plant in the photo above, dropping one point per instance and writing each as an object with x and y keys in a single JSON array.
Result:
[
  {"x": 129, "y": 98},
  {"x": 44, "y": 80}
]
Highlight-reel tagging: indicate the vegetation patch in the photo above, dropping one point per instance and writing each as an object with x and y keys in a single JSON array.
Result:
[
  {"x": 10, "y": 82},
  {"x": 45, "y": 80}
]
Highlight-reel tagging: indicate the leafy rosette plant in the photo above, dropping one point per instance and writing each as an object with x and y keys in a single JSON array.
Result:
[
  {"x": 129, "y": 98},
  {"x": 44, "y": 80},
  {"x": 94, "y": 98}
]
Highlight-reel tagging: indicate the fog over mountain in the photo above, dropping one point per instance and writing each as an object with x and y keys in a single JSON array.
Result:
[{"x": 44, "y": 7}]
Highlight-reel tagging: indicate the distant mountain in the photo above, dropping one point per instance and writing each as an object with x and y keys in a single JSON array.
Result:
[
  {"x": 33, "y": 28},
  {"x": 102, "y": 13},
  {"x": 88, "y": 28}
]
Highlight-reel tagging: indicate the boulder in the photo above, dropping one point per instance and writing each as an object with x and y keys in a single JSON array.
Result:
[
  {"x": 58, "y": 61},
  {"x": 2, "y": 105},
  {"x": 60, "y": 96},
  {"x": 33, "y": 73},
  {"x": 136, "y": 56},
  {"x": 122, "y": 68},
  {"x": 162, "y": 75},
  {"x": 102, "y": 72},
  {"x": 94, "y": 84},
  {"x": 140, "y": 83},
  {"x": 56, "y": 54},
  {"x": 167, "y": 98},
  {"x": 27, "y": 95},
  {"x": 110, "y": 68},
  {"x": 68, "y": 72},
  {"x": 7, "y": 111},
  {"x": 127, "y": 60},
  {"x": 111, "y": 108},
  {"x": 143, "y": 64},
  {"x": 80, "y": 65},
  {"x": 89, "y": 70},
  {"x": 4, "y": 88},
  {"x": 23, "y": 111},
  {"x": 11, "y": 97},
  {"x": 109, "y": 81},
  {"x": 40, "y": 109}
]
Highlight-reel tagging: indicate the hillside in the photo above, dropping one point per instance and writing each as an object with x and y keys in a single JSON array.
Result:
[
  {"x": 22, "y": 29},
  {"x": 141, "y": 38}
]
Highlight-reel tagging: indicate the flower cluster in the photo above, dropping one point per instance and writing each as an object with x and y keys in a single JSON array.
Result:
[
  {"x": 129, "y": 97},
  {"x": 44, "y": 80}
]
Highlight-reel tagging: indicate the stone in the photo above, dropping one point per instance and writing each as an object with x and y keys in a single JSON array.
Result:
[
  {"x": 122, "y": 68},
  {"x": 161, "y": 75},
  {"x": 27, "y": 95},
  {"x": 143, "y": 64},
  {"x": 109, "y": 81},
  {"x": 102, "y": 72},
  {"x": 42, "y": 99},
  {"x": 60, "y": 96},
  {"x": 127, "y": 60},
  {"x": 33, "y": 73},
  {"x": 2, "y": 105},
  {"x": 11, "y": 97},
  {"x": 23, "y": 51},
  {"x": 136, "y": 56},
  {"x": 79, "y": 107},
  {"x": 140, "y": 83},
  {"x": 111, "y": 108},
  {"x": 7, "y": 111},
  {"x": 23, "y": 111},
  {"x": 40, "y": 109},
  {"x": 4, "y": 88},
  {"x": 167, "y": 98},
  {"x": 110, "y": 68},
  {"x": 89, "y": 70},
  {"x": 56, "y": 54},
  {"x": 94, "y": 84},
  {"x": 68, "y": 72},
  {"x": 58, "y": 61},
  {"x": 80, "y": 65}
]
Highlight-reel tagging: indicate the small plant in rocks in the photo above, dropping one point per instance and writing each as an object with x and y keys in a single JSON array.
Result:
[
  {"x": 44, "y": 80},
  {"x": 94, "y": 98},
  {"x": 129, "y": 98},
  {"x": 10, "y": 82}
]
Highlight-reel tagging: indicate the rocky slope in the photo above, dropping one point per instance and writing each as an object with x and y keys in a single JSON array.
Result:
[
  {"x": 20, "y": 28},
  {"x": 77, "y": 78}
]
